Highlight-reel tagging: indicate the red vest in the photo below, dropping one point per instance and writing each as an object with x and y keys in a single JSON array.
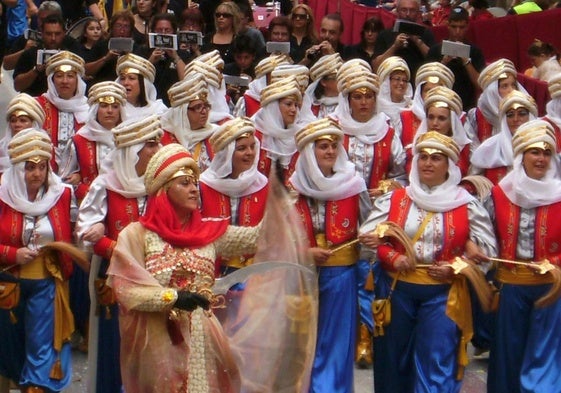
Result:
[
  {"x": 251, "y": 105},
  {"x": 484, "y": 128},
  {"x": 51, "y": 124},
  {"x": 341, "y": 219},
  {"x": 11, "y": 228},
  {"x": 121, "y": 211},
  {"x": 87, "y": 159},
  {"x": 381, "y": 162},
  {"x": 454, "y": 222},
  {"x": 251, "y": 208},
  {"x": 496, "y": 174},
  {"x": 264, "y": 163},
  {"x": 409, "y": 124},
  {"x": 547, "y": 236},
  {"x": 464, "y": 161}
]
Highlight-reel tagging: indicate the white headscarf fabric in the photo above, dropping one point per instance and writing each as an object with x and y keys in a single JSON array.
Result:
[
  {"x": 308, "y": 179},
  {"x": 459, "y": 133},
  {"x": 553, "y": 109},
  {"x": 154, "y": 106},
  {"x": 119, "y": 173},
  {"x": 176, "y": 121},
  {"x": 370, "y": 132},
  {"x": 220, "y": 109},
  {"x": 530, "y": 193},
  {"x": 385, "y": 104},
  {"x": 496, "y": 151},
  {"x": 13, "y": 191},
  {"x": 488, "y": 102},
  {"x": 216, "y": 175},
  {"x": 309, "y": 99},
  {"x": 278, "y": 141},
  {"x": 442, "y": 198},
  {"x": 418, "y": 104},
  {"x": 77, "y": 105},
  {"x": 93, "y": 131}
]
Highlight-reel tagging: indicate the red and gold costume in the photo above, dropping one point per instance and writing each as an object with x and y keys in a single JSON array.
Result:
[
  {"x": 250, "y": 212},
  {"x": 51, "y": 125}
]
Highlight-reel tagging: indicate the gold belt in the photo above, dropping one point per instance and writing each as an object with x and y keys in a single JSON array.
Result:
[
  {"x": 522, "y": 275},
  {"x": 344, "y": 257},
  {"x": 419, "y": 276},
  {"x": 35, "y": 270}
]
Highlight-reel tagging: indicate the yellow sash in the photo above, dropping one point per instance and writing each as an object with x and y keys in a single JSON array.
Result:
[
  {"x": 522, "y": 275},
  {"x": 346, "y": 256}
]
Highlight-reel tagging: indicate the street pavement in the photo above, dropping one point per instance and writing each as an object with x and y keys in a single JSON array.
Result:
[{"x": 474, "y": 380}]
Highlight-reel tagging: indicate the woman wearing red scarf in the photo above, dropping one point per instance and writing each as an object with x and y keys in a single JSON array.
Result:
[{"x": 162, "y": 271}]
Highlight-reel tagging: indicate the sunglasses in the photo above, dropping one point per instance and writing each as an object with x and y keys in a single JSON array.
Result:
[
  {"x": 223, "y": 15},
  {"x": 300, "y": 16},
  {"x": 199, "y": 107}
]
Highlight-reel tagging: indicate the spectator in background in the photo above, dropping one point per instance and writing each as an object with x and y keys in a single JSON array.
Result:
[
  {"x": 244, "y": 58},
  {"x": 466, "y": 70},
  {"x": 169, "y": 63},
  {"x": 192, "y": 20},
  {"x": 303, "y": 32},
  {"x": 529, "y": 6},
  {"x": 247, "y": 28},
  {"x": 102, "y": 61},
  {"x": 441, "y": 13},
  {"x": 479, "y": 11},
  {"x": 243, "y": 65},
  {"x": 29, "y": 77},
  {"x": 20, "y": 44},
  {"x": 16, "y": 20},
  {"x": 330, "y": 32},
  {"x": 91, "y": 35},
  {"x": 545, "y": 60},
  {"x": 413, "y": 49},
  {"x": 227, "y": 22},
  {"x": 368, "y": 35},
  {"x": 74, "y": 10},
  {"x": 143, "y": 11},
  {"x": 280, "y": 29}
]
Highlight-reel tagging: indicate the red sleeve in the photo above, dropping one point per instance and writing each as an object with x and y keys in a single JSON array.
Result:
[
  {"x": 8, "y": 254},
  {"x": 104, "y": 247},
  {"x": 387, "y": 254}
]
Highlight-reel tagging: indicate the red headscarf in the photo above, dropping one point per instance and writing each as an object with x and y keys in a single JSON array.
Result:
[{"x": 160, "y": 218}]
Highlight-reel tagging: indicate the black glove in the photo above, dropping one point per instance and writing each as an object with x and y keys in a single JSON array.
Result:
[{"x": 189, "y": 301}]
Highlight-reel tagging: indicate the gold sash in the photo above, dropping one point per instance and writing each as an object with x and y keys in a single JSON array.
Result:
[
  {"x": 522, "y": 275},
  {"x": 34, "y": 270},
  {"x": 346, "y": 256}
]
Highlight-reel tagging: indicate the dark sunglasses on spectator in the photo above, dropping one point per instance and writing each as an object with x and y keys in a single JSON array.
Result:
[
  {"x": 222, "y": 15},
  {"x": 299, "y": 16}
]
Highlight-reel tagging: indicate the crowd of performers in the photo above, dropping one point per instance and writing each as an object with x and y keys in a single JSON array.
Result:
[{"x": 394, "y": 192}]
